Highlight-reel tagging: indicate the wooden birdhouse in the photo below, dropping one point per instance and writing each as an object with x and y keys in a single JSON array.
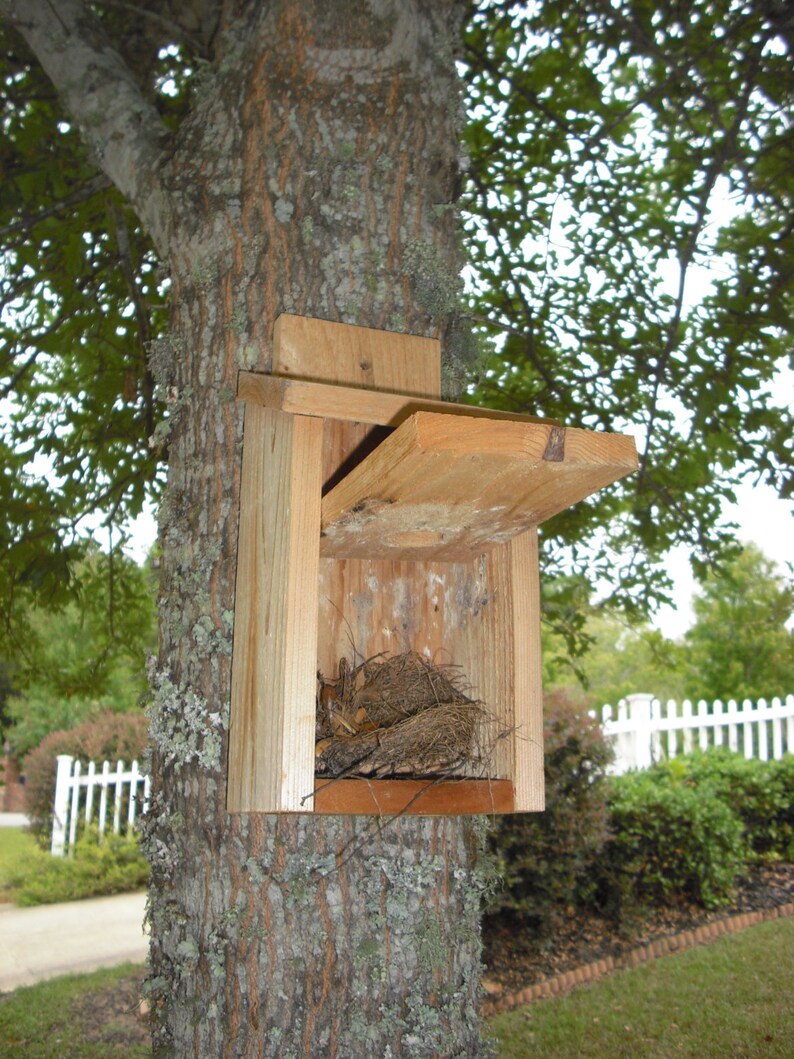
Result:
[{"x": 377, "y": 520}]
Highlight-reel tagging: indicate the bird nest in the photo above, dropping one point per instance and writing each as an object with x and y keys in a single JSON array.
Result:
[{"x": 399, "y": 716}]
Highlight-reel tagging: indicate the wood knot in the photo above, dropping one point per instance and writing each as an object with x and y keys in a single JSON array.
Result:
[{"x": 555, "y": 446}]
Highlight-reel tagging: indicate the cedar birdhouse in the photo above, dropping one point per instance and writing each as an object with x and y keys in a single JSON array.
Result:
[{"x": 377, "y": 519}]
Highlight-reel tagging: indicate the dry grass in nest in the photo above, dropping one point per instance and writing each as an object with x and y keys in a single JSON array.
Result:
[{"x": 403, "y": 716}]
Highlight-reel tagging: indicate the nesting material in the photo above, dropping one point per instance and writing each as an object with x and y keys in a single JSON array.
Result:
[{"x": 397, "y": 716}]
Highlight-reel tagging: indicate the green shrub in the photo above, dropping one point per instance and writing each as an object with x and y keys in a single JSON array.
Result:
[
  {"x": 109, "y": 736},
  {"x": 670, "y": 841},
  {"x": 15, "y": 845},
  {"x": 760, "y": 793},
  {"x": 93, "y": 869},
  {"x": 546, "y": 859},
  {"x": 783, "y": 774}
]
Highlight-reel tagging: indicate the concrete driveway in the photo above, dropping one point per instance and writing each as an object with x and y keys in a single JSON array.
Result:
[
  {"x": 50, "y": 940},
  {"x": 13, "y": 820}
]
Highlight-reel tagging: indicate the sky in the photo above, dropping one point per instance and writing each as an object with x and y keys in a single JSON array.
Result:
[{"x": 763, "y": 519}]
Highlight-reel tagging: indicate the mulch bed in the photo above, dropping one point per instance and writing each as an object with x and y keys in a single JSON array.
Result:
[
  {"x": 112, "y": 1016},
  {"x": 515, "y": 961}
]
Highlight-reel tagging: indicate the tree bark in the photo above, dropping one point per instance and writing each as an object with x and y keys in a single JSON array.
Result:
[{"x": 315, "y": 174}]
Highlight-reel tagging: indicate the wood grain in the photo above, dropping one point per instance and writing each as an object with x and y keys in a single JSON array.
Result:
[
  {"x": 298, "y": 612},
  {"x": 460, "y": 612},
  {"x": 321, "y": 351},
  {"x": 355, "y": 404},
  {"x": 271, "y": 732},
  {"x": 521, "y": 564},
  {"x": 444, "y": 487},
  {"x": 390, "y": 797}
]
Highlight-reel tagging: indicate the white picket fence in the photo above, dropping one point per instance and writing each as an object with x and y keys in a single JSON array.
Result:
[
  {"x": 644, "y": 730},
  {"x": 118, "y": 794}
]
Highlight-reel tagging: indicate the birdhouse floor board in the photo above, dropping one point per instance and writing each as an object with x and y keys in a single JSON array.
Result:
[{"x": 424, "y": 797}]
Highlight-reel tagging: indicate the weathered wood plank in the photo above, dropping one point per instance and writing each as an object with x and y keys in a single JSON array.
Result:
[
  {"x": 473, "y": 612},
  {"x": 322, "y": 351},
  {"x": 522, "y": 566}
]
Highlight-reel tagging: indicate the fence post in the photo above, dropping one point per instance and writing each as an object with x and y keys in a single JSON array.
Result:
[
  {"x": 633, "y": 748},
  {"x": 89, "y": 792},
  {"x": 672, "y": 729},
  {"x": 60, "y": 808},
  {"x": 657, "y": 751},
  {"x": 763, "y": 735},
  {"x": 74, "y": 808},
  {"x": 119, "y": 792},
  {"x": 777, "y": 729},
  {"x": 747, "y": 708},
  {"x": 103, "y": 798},
  {"x": 733, "y": 726},
  {"x": 135, "y": 777},
  {"x": 642, "y": 737}
]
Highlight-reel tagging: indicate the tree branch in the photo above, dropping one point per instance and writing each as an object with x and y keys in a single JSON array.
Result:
[
  {"x": 26, "y": 222},
  {"x": 724, "y": 154},
  {"x": 122, "y": 128},
  {"x": 179, "y": 32}
]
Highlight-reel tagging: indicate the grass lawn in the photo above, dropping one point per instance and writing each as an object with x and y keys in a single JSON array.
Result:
[
  {"x": 16, "y": 846},
  {"x": 728, "y": 999},
  {"x": 731, "y": 998},
  {"x": 85, "y": 1016}
]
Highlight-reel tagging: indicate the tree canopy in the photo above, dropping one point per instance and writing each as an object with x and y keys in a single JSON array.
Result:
[
  {"x": 64, "y": 664},
  {"x": 81, "y": 299},
  {"x": 622, "y": 657},
  {"x": 621, "y": 155},
  {"x": 741, "y": 645},
  {"x": 618, "y": 155}
]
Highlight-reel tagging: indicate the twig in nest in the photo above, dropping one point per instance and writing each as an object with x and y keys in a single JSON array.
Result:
[{"x": 398, "y": 716}]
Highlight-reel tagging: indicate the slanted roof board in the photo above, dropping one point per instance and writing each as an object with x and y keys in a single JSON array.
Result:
[{"x": 444, "y": 487}]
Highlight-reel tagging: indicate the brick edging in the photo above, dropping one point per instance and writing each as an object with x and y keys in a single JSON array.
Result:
[{"x": 687, "y": 939}]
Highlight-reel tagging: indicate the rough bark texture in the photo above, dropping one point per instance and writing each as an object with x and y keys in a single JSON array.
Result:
[{"x": 314, "y": 175}]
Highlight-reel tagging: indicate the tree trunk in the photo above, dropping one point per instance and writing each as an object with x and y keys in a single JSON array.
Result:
[{"x": 314, "y": 175}]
